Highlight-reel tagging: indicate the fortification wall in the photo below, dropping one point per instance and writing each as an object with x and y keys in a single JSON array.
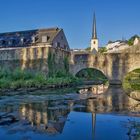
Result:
[{"x": 32, "y": 58}]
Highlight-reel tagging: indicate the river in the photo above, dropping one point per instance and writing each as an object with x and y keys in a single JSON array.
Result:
[{"x": 97, "y": 113}]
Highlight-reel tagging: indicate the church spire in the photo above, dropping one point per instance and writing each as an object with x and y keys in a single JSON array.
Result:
[
  {"x": 94, "y": 32},
  {"x": 94, "y": 40}
]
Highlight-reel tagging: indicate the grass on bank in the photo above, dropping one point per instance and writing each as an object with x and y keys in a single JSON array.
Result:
[{"x": 27, "y": 79}]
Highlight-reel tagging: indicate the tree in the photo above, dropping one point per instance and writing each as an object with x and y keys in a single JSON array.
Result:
[
  {"x": 130, "y": 42},
  {"x": 102, "y": 50}
]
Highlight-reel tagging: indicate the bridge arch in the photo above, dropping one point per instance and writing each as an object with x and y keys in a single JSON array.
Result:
[
  {"x": 91, "y": 74},
  {"x": 76, "y": 69},
  {"x": 114, "y": 65}
]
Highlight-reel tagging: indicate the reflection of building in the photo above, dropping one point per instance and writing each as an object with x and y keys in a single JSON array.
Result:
[
  {"x": 99, "y": 89},
  {"x": 50, "y": 116},
  {"x": 113, "y": 100},
  {"x": 51, "y": 37},
  {"x": 44, "y": 118},
  {"x": 95, "y": 89}
]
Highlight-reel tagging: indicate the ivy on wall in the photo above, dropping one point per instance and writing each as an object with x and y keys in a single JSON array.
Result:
[
  {"x": 66, "y": 64},
  {"x": 51, "y": 64},
  {"x": 54, "y": 71}
]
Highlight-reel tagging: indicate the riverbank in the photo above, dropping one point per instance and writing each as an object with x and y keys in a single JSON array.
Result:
[
  {"x": 25, "y": 81},
  {"x": 18, "y": 79},
  {"x": 132, "y": 81}
]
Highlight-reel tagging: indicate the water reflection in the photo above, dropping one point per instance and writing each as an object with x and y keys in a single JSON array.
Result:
[
  {"x": 52, "y": 116},
  {"x": 94, "y": 89}
]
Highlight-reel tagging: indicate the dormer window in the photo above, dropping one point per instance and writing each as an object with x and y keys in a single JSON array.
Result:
[
  {"x": 48, "y": 37},
  {"x": 33, "y": 39},
  {"x": 10, "y": 42},
  {"x": 44, "y": 39},
  {"x": 3, "y": 42},
  {"x": 23, "y": 40}
]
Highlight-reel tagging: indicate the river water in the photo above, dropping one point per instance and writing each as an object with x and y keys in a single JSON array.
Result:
[{"x": 100, "y": 113}]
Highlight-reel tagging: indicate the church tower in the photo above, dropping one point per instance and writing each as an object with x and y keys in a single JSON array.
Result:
[{"x": 94, "y": 40}]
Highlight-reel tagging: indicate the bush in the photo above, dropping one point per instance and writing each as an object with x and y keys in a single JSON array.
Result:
[
  {"x": 132, "y": 80},
  {"x": 27, "y": 79}
]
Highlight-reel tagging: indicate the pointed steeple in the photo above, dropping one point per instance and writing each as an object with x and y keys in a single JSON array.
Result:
[
  {"x": 94, "y": 31},
  {"x": 94, "y": 40}
]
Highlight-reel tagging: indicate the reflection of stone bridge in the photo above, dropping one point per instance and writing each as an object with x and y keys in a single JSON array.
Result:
[
  {"x": 114, "y": 66},
  {"x": 50, "y": 116}
]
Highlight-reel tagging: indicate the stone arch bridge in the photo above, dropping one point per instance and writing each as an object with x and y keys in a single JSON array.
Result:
[{"x": 113, "y": 65}]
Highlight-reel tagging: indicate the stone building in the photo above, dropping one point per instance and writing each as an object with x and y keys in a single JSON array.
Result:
[
  {"x": 50, "y": 37},
  {"x": 117, "y": 46},
  {"x": 137, "y": 41}
]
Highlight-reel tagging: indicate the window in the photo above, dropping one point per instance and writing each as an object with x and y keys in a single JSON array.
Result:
[
  {"x": 3, "y": 42},
  {"x": 94, "y": 42},
  {"x": 58, "y": 44},
  {"x": 65, "y": 47},
  {"x": 23, "y": 40},
  {"x": 10, "y": 42},
  {"x": 62, "y": 37},
  {"x": 48, "y": 37},
  {"x": 44, "y": 39},
  {"x": 33, "y": 39}
]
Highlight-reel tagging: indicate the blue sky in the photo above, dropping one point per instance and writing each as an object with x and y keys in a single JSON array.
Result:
[{"x": 116, "y": 19}]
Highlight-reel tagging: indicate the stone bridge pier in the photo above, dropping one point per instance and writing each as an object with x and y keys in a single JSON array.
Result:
[{"x": 114, "y": 66}]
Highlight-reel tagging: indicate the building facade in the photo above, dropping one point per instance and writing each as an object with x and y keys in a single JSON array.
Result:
[
  {"x": 51, "y": 37},
  {"x": 117, "y": 46}
]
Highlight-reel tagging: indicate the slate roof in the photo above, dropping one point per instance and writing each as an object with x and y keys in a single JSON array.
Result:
[{"x": 28, "y": 35}]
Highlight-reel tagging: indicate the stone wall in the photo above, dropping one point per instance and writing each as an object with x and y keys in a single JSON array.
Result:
[
  {"x": 31, "y": 58},
  {"x": 115, "y": 66}
]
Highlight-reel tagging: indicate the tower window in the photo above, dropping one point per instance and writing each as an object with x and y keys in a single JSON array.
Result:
[{"x": 94, "y": 42}]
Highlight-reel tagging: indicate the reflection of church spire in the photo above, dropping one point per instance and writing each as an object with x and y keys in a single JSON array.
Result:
[
  {"x": 93, "y": 125},
  {"x": 94, "y": 32}
]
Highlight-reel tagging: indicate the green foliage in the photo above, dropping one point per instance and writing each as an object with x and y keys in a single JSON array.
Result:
[
  {"x": 130, "y": 42},
  {"x": 110, "y": 41},
  {"x": 102, "y": 50},
  {"x": 61, "y": 73},
  {"x": 27, "y": 79},
  {"x": 91, "y": 74},
  {"x": 51, "y": 64},
  {"x": 132, "y": 80},
  {"x": 4, "y": 83},
  {"x": 66, "y": 64},
  {"x": 88, "y": 49}
]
